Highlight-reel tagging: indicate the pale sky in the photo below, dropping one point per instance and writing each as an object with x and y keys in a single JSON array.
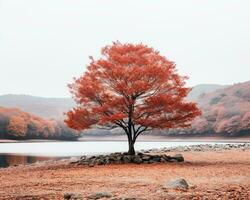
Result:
[{"x": 44, "y": 44}]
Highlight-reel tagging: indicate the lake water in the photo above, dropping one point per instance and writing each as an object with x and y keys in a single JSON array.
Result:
[{"x": 22, "y": 153}]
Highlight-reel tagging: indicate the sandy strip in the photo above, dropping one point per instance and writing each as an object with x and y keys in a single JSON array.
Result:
[{"x": 215, "y": 175}]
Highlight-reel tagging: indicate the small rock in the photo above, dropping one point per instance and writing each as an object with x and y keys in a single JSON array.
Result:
[
  {"x": 127, "y": 198},
  {"x": 137, "y": 160},
  {"x": 72, "y": 196},
  {"x": 145, "y": 157},
  {"x": 100, "y": 195},
  {"x": 178, "y": 184},
  {"x": 113, "y": 158},
  {"x": 156, "y": 159},
  {"x": 126, "y": 159},
  {"x": 100, "y": 161},
  {"x": 178, "y": 157},
  {"x": 83, "y": 157},
  {"x": 92, "y": 164}
]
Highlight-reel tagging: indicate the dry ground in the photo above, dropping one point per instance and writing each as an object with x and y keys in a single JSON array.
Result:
[{"x": 212, "y": 175}]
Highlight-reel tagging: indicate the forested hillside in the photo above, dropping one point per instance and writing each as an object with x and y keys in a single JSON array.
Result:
[
  {"x": 225, "y": 111},
  {"x": 16, "y": 124}
]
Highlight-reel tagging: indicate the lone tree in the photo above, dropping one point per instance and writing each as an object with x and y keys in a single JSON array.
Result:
[{"x": 132, "y": 87}]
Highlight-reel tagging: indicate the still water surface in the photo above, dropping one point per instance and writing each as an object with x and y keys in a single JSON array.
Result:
[{"x": 22, "y": 153}]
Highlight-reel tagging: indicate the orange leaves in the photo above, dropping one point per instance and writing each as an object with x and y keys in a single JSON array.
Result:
[
  {"x": 246, "y": 121},
  {"x": 112, "y": 118},
  {"x": 17, "y": 126},
  {"x": 15, "y": 123},
  {"x": 79, "y": 119},
  {"x": 133, "y": 83}
]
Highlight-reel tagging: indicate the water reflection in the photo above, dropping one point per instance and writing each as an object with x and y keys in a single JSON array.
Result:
[{"x": 7, "y": 160}]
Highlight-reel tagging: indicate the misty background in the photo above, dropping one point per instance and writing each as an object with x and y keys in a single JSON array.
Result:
[{"x": 44, "y": 44}]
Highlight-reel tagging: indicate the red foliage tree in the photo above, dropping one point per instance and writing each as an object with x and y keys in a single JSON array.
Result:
[
  {"x": 132, "y": 87},
  {"x": 245, "y": 122},
  {"x": 17, "y": 126}
]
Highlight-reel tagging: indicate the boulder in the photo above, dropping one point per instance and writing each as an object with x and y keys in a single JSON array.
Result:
[
  {"x": 113, "y": 158},
  {"x": 145, "y": 157},
  {"x": 156, "y": 159},
  {"x": 177, "y": 184},
  {"x": 100, "y": 195},
  {"x": 100, "y": 161},
  {"x": 137, "y": 160},
  {"x": 126, "y": 159},
  {"x": 151, "y": 161},
  {"x": 178, "y": 158},
  {"x": 166, "y": 158}
]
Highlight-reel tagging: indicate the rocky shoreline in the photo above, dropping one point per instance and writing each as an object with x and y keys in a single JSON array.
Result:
[
  {"x": 155, "y": 155},
  {"x": 201, "y": 147}
]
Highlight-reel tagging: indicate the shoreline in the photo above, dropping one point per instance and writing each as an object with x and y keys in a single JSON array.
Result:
[
  {"x": 213, "y": 172},
  {"x": 143, "y": 138}
]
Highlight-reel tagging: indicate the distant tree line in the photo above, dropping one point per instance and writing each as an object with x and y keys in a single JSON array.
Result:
[
  {"x": 16, "y": 124},
  {"x": 218, "y": 121},
  {"x": 238, "y": 125}
]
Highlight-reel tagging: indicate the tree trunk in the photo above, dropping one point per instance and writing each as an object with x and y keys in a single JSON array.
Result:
[{"x": 131, "y": 149}]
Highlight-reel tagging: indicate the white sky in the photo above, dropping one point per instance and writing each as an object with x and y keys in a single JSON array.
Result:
[{"x": 43, "y": 44}]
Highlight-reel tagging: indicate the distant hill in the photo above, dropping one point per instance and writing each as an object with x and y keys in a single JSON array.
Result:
[
  {"x": 200, "y": 89},
  {"x": 44, "y": 107},
  {"x": 224, "y": 111},
  {"x": 53, "y": 108}
]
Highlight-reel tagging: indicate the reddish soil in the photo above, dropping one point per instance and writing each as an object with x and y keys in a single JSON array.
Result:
[{"x": 212, "y": 175}]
